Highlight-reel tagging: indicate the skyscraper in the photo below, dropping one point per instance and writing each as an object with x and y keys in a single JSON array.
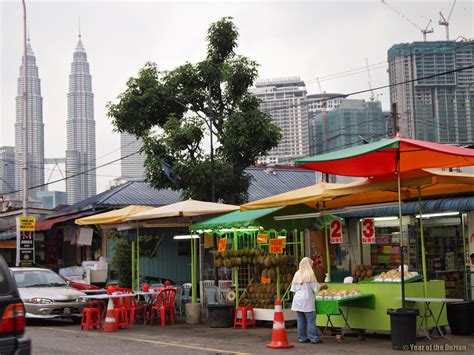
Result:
[
  {"x": 35, "y": 127},
  {"x": 285, "y": 100},
  {"x": 316, "y": 104},
  {"x": 439, "y": 109},
  {"x": 132, "y": 167},
  {"x": 80, "y": 153},
  {"x": 7, "y": 170}
]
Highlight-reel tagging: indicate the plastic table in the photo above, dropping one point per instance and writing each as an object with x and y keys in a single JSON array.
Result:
[
  {"x": 334, "y": 307},
  {"x": 428, "y": 313}
]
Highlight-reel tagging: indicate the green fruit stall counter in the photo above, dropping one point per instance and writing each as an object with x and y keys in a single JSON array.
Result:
[
  {"x": 387, "y": 295},
  {"x": 262, "y": 253}
]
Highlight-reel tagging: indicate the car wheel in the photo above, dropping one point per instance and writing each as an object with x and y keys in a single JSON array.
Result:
[{"x": 76, "y": 320}]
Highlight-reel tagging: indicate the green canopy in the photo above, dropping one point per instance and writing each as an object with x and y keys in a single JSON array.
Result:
[{"x": 264, "y": 218}]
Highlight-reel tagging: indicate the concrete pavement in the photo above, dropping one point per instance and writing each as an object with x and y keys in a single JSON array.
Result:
[{"x": 67, "y": 338}]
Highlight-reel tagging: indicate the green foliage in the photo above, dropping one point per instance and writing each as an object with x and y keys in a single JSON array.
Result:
[
  {"x": 122, "y": 260},
  {"x": 172, "y": 112}
]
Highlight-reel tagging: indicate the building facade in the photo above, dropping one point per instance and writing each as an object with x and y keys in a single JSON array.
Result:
[
  {"x": 35, "y": 127},
  {"x": 317, "y": 104},
  {"x": 285, "y": 100},
  {"x": 351, "y": 123},
  {"x": 51, "y": 199},
  {"x": 81, "y": 147},
  {"x": 438, "y": 109},
  {"x": 7, "y": 170},
  {"x": 131, "y": 165}
]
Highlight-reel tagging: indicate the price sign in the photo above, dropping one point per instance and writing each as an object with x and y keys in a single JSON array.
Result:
[
  {"x": 265, "y": 280},
  {"x": 222, "y": 244},
  {"x": 262, "y": 238},
  {"x": 27, "y": 223},
  {"x": 335, "y": 231},
  {"x": 368, "y": 231},
  {"x": 276, "y": 246}
]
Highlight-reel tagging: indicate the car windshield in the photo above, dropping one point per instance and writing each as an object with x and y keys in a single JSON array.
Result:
[{"x": 38, "y": 278}]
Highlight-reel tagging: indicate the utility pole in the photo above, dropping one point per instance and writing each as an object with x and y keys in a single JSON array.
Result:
[
  {"x": 25, "y": 116},
  {"x": 213, "y": 179},
  {"x": 395, "y": 128}
]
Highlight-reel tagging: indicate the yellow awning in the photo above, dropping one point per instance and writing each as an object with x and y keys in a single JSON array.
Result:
[
  {"x": 113, "y": 217},
  {"x": 375, "y": 190}
]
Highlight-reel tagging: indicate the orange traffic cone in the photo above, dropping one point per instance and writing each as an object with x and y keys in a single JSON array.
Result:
[
  {"x": 110, "y": 322},
  {"x": 279, "y": 338}
]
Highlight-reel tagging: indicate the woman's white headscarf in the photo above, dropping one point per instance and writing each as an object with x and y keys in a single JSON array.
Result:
[{"x": 305, "y": 272}]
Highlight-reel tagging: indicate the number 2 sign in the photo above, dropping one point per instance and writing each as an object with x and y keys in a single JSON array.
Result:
[
  {"x": 368, "y": 231},
  {"x": 335, "y": 234}
]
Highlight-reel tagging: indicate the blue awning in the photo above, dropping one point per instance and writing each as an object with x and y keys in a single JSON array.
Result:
[{"x": 451, "y": 204}]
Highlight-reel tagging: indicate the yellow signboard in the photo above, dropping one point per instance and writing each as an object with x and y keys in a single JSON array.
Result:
[
  {"x": 27, "y": 223},
  {"x": 262, "y": 238},
  {"x": 276, "y": 246}
]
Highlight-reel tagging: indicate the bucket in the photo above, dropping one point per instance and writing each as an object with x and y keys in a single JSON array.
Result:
[
  {"x": 403, "y": 328},
  {"x": 220, "y": 315},
  {"x": 460, "y": 317}
]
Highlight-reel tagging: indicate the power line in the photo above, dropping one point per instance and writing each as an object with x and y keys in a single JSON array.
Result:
[
  {"x": 369, "y": 90},
  {"x": 71, "y": 176}
]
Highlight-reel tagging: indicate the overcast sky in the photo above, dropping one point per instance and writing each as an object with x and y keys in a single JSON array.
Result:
[{"x": 310, "y": 39}]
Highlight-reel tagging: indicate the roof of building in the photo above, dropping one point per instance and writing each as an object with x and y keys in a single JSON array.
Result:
[{"x": 265, "y": 182}]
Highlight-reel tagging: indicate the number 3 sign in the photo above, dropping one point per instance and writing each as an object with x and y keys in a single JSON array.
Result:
[
  {"x": 335, "y": 235},
  {"x": 368, "y": 231}
]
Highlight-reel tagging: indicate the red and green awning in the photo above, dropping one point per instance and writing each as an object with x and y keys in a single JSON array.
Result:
[{"x": 380, "y": 158}]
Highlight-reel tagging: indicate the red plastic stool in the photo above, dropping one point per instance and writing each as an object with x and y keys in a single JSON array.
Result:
[
  {"x": 244, "y": 321},
  {"x": 121, "y": 317},
  {"x": 91, "y": 317}
]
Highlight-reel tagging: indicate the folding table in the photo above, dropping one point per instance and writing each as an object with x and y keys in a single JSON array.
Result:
[
  {"x": 428, "y": 313},
  {"x": 334, "y": 307}
]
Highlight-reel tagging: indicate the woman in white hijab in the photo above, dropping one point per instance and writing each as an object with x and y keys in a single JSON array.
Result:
[{"x": 305, "y": 285}]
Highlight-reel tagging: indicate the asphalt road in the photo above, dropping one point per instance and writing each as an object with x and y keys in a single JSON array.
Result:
[{"x": 66, "y": 338}]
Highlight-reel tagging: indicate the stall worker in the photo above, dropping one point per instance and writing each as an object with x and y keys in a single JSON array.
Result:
[{"x": 304, "y": 286}]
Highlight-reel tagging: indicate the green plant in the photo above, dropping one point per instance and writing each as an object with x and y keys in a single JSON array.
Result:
[{"x": 121, "y": 260}]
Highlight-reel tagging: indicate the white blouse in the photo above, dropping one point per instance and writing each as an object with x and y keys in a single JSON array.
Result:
[{"x": 303, "y": 301}]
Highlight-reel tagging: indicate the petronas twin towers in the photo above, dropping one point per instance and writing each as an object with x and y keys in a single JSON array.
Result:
[{"x": 81, "y": 149}]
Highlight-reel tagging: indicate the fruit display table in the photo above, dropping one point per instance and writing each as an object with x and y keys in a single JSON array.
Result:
[
  {"x": 341, "y": 307},
  {"x": 385, "y": 296}
]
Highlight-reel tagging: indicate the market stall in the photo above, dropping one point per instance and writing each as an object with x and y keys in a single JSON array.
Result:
[{"x": 262, "y": 253}]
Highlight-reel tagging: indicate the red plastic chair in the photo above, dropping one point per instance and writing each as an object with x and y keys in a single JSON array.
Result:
[
  {"x": 132, "y": 306},
  {"x": 164, "y": 305}
]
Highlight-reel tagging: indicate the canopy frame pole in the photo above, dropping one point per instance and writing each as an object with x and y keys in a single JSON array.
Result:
[
  {"x": 422, "y": 237},
  {"x": 296, "y": 237},
  {"x": 193, "y": 271},
  {"x": 402, "y": 247},
  {"x": 138, "y": 257},
  {"x": 328, "y": 256},
  {"x": 302, "y": 243},
  {"x": 278, "y": 282},
  {"x": 133, "y": 265},
  {"x": 235, "y": 270}
]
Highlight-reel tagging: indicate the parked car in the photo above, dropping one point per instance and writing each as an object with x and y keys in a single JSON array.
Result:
[
  {"x": 46, "y": 295},
  {"x": 79, "y": 285},
  {"x": 13, "y": 339}
]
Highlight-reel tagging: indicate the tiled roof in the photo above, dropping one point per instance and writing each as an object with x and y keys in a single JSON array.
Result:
[{"x": 265, "y": 182}]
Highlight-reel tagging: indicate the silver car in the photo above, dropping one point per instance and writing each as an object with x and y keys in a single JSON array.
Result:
[{"x": 46, "y": 295}]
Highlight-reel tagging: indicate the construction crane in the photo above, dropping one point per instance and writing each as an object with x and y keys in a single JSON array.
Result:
[
  {"x": 372, "y": 96},
  {"x": 424, "y": 31},
  {"x": 444, "y": 21}
]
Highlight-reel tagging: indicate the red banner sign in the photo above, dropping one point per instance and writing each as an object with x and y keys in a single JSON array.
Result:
[
  {"x": 335, "y": 231},
  {"x": 368, "y": 230},
  {"x": 222, "y": 244},
  {"x": 276, "y": 246}
]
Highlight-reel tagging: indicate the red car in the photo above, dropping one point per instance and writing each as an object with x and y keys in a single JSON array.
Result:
[{"x": 80, "y": 286}]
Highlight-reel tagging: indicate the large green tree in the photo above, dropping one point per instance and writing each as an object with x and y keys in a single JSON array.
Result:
[{"x": 173, "y": 112}]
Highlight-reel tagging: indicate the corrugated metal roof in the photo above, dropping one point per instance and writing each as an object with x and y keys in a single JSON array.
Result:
[
  {"x": 130, "y": 193},
  {"x": 269, "y": 182},
  {"x": 451, "y": 204},
  {"x": 264, "y": 183}
]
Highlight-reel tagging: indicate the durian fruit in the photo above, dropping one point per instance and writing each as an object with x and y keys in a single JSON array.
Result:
[
  {"x": 284, "y": 259},
  {"x": 227, "y": 262},
  {"x": 218, "y": 262},
  {"x": 244, "y": 260},
  {"x": 268, "y": 261},
  {"x": 272, "y": 274}
]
